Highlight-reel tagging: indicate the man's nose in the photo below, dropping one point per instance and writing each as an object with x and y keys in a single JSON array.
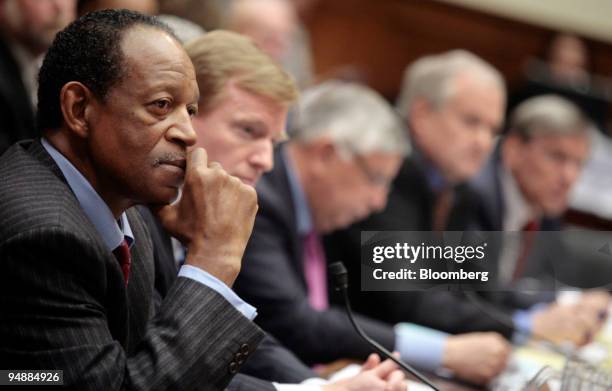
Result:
[
  {"x": 263, "y": 156},
  {"x": 182, "y": 130}
]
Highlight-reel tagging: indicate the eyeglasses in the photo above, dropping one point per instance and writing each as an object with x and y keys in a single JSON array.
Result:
[{"x": 374, "y": 178}]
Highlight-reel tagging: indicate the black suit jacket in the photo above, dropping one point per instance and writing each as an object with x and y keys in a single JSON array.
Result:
[
  {"x": 17, "y": 116},
  {"x": 410, "y": 208},
  {"x": 64, "y": 304},
  {"x": 270, "y": 361},
  {"x": 272, "y": 279}
]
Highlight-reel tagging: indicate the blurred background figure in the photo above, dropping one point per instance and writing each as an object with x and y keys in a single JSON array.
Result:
[
  {"x": 568, "y": 60},
  {"x": 184, "y": 29},
  {"x": 148, "y": 7},
  {"x": 525, "y": 186},
  {"x": 270, "y": 23},
  {"x": 529, "y": 178},
  {"x": 565, "y": 70},
  {"x": 27, "y": 29},
  {"x": 275, "y": 27},
  {"x": 208, "y": 14},
  {"x": 453, "y": 104}
]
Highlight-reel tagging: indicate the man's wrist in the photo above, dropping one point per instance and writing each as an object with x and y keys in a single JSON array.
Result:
[{"x": 223, "y": 267}]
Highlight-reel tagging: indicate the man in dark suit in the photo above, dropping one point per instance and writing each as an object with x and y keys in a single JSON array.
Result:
[
  {"x": 525, "y": 188},
  {"x": 243, "y": 105},
  {"x": 27, "y": 28},
  {"x": 116, "y": 97},
  {"x": 346, "y": 148},
  {"x": 531, "y": 174}
]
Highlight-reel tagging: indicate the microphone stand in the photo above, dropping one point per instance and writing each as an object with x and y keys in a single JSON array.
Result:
[{"x": 340, "y": 279}]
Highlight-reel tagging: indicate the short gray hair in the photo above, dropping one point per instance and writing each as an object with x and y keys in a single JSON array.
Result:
[
  {"x": 547, "y": 115},
  {"x": 432, "y": 77},
  {"x": 355, "y": 117}
]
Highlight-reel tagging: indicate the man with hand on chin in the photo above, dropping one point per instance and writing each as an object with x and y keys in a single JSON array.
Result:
[{"x": 116, "y": 96}]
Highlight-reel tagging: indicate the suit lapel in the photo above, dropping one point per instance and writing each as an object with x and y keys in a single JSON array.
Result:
[
  {"x": 142, "y": 277},
  {"x": 132, "y": 308},
  {"x": 276, "y": 194},
  {"x": 488, "y": 185}
]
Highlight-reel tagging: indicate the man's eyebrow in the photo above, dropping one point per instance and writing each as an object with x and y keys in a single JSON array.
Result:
[
  {"x": 168, "y": 85},
  {"x": 253, "y": 119}
]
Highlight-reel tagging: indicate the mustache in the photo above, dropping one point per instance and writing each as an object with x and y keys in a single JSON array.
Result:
[{"x": 169, "y": 157}]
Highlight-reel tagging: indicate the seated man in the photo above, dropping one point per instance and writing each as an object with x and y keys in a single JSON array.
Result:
[
  {"x": 525, "y": 187},
  {"x": 347, "y": 148},
  {"x": 243, "y": 106},
  {"x": 116, "y": 96}
]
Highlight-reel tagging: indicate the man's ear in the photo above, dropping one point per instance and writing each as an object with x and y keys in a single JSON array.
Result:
[
  {"x": 324, "y": 149},
  {"x": 75, "y": 101}
]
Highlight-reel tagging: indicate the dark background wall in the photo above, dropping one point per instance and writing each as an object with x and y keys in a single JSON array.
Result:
[{"x": 378, "y": 38}]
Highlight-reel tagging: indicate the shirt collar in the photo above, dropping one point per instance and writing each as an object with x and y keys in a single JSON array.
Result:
[
  {"x": 112, "y": 231},
  {"x": 517, "y": 212},
  {"x": 302, "y": 209}
]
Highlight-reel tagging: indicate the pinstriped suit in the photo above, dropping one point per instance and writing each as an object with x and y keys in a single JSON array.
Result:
[{"x": 64, "y": 305}]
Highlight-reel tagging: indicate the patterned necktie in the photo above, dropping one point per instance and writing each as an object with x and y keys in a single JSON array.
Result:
[
  {"x": 314, "y": 269},
  {"x": 122, "y": 253},
  {"x": 529, "y": 232}
]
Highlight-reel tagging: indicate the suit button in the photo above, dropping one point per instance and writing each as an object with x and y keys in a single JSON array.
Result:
[
  {"x": 233, "y": 368},
  {"x": 239, "y": 358},
  {"x": 244, "y": 349}
]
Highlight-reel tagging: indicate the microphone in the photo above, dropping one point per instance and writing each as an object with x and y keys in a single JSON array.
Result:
[{"x": 340, "y": 280}]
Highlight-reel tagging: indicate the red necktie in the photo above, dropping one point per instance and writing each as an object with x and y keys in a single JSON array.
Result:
[
  {"x": 122, "y": 253},
  {"x": 442, "y": 207},
  {"x": 529, "y": 232}
]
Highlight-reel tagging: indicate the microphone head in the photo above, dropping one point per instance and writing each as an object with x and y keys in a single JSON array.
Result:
[{"x": 339, "y": 275}]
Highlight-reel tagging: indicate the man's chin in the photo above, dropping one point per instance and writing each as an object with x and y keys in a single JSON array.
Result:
[
  {"x": 166, "y": 196},
  {"x": 251, "y": 181}
]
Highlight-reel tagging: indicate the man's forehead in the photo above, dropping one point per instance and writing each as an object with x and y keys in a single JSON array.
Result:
[
  {"x": 144, "y": 41},
  {"x": 561, "y": 139},
  {"x": 149, "y": 51}
]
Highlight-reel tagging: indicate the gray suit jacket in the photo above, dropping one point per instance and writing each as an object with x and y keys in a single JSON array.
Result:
[{"x": 64, "y": 305}]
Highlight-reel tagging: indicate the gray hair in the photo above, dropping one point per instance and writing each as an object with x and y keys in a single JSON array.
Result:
[
  {"x": 432, "y": 77},
  {"x": 355, "y": 117},
  {"x": 547, "y": 114}
]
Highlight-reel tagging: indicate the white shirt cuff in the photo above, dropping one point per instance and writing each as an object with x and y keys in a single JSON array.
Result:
[
  {"x": 312, "y": 384},
  {"x": 217, "y": 285}
]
